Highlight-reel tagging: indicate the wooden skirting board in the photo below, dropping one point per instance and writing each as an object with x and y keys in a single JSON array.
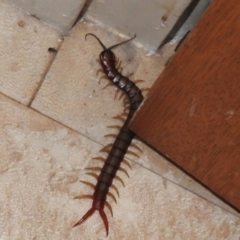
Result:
[{"x": 192, "y": 113}]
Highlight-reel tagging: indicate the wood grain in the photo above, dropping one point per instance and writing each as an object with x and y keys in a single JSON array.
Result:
[{"x": 192, "y": 113}]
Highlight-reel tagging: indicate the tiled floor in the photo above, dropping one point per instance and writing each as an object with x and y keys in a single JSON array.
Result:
[{"x": 54, "y": 115}]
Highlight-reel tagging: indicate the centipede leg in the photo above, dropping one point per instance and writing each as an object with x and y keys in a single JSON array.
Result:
[
  {"x": 101, "y": 78},
  {"x": 88, "y": 214},
  {"x": 116, "y": 93},
  {"x": 130, "y": 75},
  {"x": 145, "y": 89},
  {"x": 99, "y": 71},
  {"x": 118, "y": 65},
  {"x": 108, "y": 85},
  {"x": 105, "y": 221},
  {"x": 138, "y": 81}
]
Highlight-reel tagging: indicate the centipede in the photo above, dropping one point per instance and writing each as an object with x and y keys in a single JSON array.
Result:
[{"x": 118, "y": 149}]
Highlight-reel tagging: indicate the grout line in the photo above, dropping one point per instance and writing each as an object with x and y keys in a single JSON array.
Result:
[
  {"x": 82, "y": 12},
  {"x": 44, "y": 75}
]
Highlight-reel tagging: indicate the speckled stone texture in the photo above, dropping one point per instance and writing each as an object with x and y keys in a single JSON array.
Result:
[
  {"x": 24, "y": 58},
  {"x": 41, "y": 165}
]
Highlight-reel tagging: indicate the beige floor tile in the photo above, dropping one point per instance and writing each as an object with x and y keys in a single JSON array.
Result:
[
  {"x": 72, "y": 95},
  {"x": 42, "y": 163},
  {"x": 24, "y": 58},
  {"x": 71, "y": 92}
]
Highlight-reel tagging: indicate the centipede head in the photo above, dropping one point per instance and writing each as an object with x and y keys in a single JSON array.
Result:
[{"x": 107, "y": 57}]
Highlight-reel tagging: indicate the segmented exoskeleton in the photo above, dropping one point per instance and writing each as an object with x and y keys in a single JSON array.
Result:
[{"x": 123, "y": 139}]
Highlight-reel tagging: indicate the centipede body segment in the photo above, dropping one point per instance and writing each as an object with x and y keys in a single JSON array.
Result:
[{"x": 117, "y": 150}]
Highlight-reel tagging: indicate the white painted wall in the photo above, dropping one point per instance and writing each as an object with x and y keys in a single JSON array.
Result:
[
  {"x": 151, "y": 20},
  {"x": 61, "y": 14}
]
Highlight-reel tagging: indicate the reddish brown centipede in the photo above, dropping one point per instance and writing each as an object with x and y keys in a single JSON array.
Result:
[{"x": 123, "y": 139}]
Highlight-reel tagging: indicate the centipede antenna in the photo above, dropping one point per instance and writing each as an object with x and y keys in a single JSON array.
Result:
[
  {"x": 116, "y": 45},
  {"x": 104, "y": 48}
]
